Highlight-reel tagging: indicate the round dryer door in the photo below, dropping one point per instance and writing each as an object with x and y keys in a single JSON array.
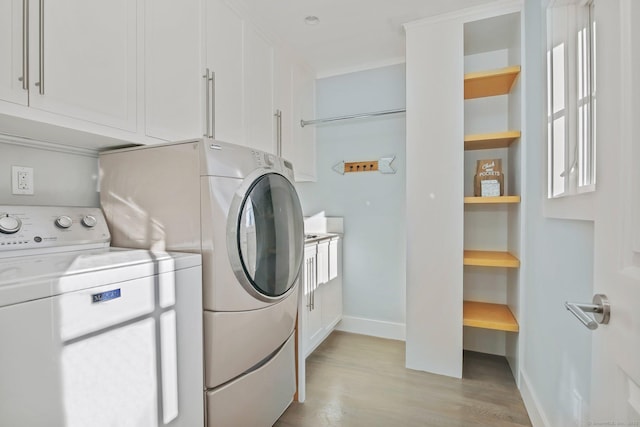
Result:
[{"x": 268, "y": 238}]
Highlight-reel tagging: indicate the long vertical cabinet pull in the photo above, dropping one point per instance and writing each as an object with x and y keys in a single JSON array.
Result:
[
  {"x": 213, "y": 104},
  {"x": 307, "y": 282},
  {"x": 314, "y": 281},
  {"x": 25, "y": 45},
  {"x": 278, "y": 116},
  {"x": 40, "y": 83},
  {"x": 207, "y": 105},
  {"x": 210, "y": 103}
]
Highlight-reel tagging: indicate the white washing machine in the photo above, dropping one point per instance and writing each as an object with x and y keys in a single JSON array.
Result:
[
  {"x": 92, "y": 335},
  {"x": 238, "y": 208}
]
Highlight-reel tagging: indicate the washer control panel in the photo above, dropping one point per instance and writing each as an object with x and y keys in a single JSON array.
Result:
[
  {"x": 270, "y": 161},
  {"x": 32, "y": 227}
]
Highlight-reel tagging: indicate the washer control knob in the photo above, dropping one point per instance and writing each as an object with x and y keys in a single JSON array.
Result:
[
  {"x": 9, "y": 224},
  {"x": 89, "y": 221},
  {"x": 63, "y": 221}
]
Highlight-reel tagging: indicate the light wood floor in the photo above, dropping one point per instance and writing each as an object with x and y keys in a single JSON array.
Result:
[{"x": 356, "y": 380}]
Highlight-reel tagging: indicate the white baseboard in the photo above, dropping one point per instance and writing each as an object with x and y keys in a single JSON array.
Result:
[
  {"x": 376, "y": 328},
  {"x": 531, "y": 402}
]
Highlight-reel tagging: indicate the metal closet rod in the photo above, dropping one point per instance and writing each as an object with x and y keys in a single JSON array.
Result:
[{"x": 304, "y": 123}]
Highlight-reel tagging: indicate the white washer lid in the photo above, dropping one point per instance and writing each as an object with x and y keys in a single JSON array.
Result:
[{"x": 26, "y": 278}]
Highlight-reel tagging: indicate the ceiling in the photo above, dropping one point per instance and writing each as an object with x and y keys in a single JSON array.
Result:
[{"x": 352, "y": 34}]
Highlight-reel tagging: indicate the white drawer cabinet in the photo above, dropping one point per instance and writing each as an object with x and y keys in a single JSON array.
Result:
[
  {"x": 320, "y": 307},
  {"x": 321, "y": 304}
]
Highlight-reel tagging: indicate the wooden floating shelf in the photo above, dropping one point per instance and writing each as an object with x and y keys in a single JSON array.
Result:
[
  {"x": 490, "y": 83},
  {"x": 489, "y": 316},
  {"x": 491, "y": 259},
  {"x": 491, "y": 200},
  {"x": 486, "y": 141}
]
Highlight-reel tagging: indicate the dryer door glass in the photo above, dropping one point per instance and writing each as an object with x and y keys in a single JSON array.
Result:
[{"x": 270, "y": 235}]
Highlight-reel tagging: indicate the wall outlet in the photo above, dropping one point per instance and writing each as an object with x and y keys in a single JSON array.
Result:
[{"x": 22, "y": 180}]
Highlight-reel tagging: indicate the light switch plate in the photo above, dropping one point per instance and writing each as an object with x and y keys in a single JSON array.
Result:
[{"x": 22, "y": 180}]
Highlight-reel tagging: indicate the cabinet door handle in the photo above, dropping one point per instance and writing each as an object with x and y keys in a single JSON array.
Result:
[
  {"x": 278, "y": 116},
  {"x": 207, "y": 105},
  {"x": 308, "y": 284},
  {"x": 314, "y": 281},
  {"x": 40, "y": 83},
  {"x": 213, "y": 104},
  {"x": 25, "y": 45}
]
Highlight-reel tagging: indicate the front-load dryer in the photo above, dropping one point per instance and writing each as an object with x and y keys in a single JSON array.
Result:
[{"x": 237, "y": 207}]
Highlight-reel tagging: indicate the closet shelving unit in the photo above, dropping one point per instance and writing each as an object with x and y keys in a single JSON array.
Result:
[
  {"x": 482, "y": 314},
  {"x": 491, "y": 200},
  {"x": 490, "y": 140},
  {"x": 490, "y": 83},
  {"x": 489, "y": 316},
  {"x": 491, "y": 259},
  {"x": 476, "y": 273}
]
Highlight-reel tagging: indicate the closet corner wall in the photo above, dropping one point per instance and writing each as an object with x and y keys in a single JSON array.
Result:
[{"x": 464, "y": 103}]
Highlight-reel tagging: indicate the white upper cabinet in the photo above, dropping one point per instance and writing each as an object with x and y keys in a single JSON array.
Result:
[
  {"x": 100, "y": 73},
  {"x": 283, "y": 101},
  {"x": 295, "y": 99},
  {"x": 224, "y": 29},
  {"x": 239, "y": 103},
  {"x": 173, "y": 72},
  {"x": 258, "y": 94},
  {"x": 12, "y": 49},
  {"x": 83, "y": 60},
  {"x": 302, "y": 150}
]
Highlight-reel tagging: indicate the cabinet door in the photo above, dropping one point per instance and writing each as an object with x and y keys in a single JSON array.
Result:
[
  {"x": 11, "y": 51},
  {"x": 302, "y": 150},
  {"x": 323, "y": 262},
  {"x": 331, "y": 304},
  {"x": 333, "y": 258},
  {"x": 258, "y": 95},
  {"x": 173, "y": 73},
  {"x": 312, "y": 318},
  {"x": 224, "y": 29},
  {"x": 283, "y": 101},
  {"x": 332, "y": 290},
  {"x": 83, "y": 60}
]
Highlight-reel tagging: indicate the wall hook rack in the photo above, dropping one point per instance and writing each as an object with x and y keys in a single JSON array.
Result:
[{"x": 383, "y": 166}]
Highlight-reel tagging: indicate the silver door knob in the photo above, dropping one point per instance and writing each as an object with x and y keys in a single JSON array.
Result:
[{"x": 599, "y": 307}]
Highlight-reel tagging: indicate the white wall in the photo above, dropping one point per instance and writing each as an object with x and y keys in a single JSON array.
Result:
[
  {"x": 60, "y": 178},
  {"x": 559, "y": 259},
  {"x": 435, "y": 188},
  {"x": 372, "y": 204}
]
